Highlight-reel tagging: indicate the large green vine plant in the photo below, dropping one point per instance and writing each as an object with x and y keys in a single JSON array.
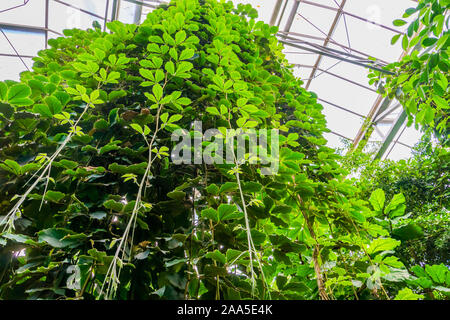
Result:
[
  {"x": 420, "y": 80},
  {"x": 93, "y": 207}
]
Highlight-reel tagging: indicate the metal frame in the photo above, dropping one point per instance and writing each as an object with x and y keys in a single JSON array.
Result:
[
  {"x": 380, "y": 109},
  {"x": 300, "y": 43},
  {"x": 327, "y": 40}
]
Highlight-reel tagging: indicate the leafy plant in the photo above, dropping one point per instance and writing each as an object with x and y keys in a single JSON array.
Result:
[
  {"x": 420, "y": 80},
  {"x": 93, "y": 207}
]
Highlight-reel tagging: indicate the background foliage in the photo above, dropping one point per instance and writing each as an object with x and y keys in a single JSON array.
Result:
[
  {"x": 92, "y": 206},
  {"x": 420, "y": 80}
]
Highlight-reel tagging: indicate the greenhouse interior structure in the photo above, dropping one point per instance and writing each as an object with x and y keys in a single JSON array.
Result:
[{"x": 224, "y": 150}]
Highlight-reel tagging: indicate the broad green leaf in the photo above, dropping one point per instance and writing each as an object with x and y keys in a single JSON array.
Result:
[
  {"x": 396, "y": 206},
  {"x": 157, "y": 91},
  {"x": 382, "y": 244},
  {"x": 377, "y": 199},
  {"x": 187, "y": 54},
  {"x": 228, "y": 186},
  {"x": 54, "y": 196},
  {"x": 18, "y": 92},
  {"x": 228, "y": 212},
  {"x": 407, "y": 294},
  {"x": 217, "y": 256},
  {"x": 3, "y": 91},
  {"x": 43, "y": 110},
  {"x": 177, "y": 195},
  {"x": 61, "y": 238},
  {"x": 54, "y": 105},
  {"x": 428, "y": 42},
  {"x": 399, "y": 22},
  {"x": 137, "y": 127},
  {"x": 437, "y": 273},
  {"x": 210, "y": 213},
  {"x": 408, "y": 232}
]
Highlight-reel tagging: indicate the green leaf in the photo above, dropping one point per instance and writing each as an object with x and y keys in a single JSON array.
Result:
[
  {"x": 233, "y": 255},
  {"x": 228, "y": 212},
  {"x": 54, "y": 105},
  {"x": 157, "y": 91},
  {"x": 147, "y": 74},
  {"x": 382, "y": 244},
  {"x": 210, "y": 213},
  {"x": 137, "y": 127},
  {"x": 113, "y": 205},
  {"x": 18, "y": 92},
  {"x": 174, "y": 262},
  {"x": 3, "y": 91},
  {"x": 213, "y": 111},
  {"x": 399, "y": 22},
  {"x": 440, "y": 102},
  {"x": 170, "y": 67},
  {"x": 395, "y": 39},
  {"x": 405, "y": 42},
  {"x": 396, "y": 207},
  {"x": 228, "y": 186},
  {"x": 187, "y": 54},
  {"x": 177, "y": 195},
  {"x": 20, "y": 238},
  {"x": 407, "y": 294},
  {"x": 54, "y": 196},
  {"x": 212, "y": 189},
  {"x": 393, "y": 262},
  {"x": 175, "y": 118},
  {"x": 180, "y": 36},
  {"x": 377, "y": 199},
  {"x": 408, "y": 232},
  {"x": 184, "y": 67},
  {"x": 437, "y": 273},
  {"x": 61, "y": 238},
  {"x": 43, "y": 110},
  {"x": 428, "y": 42},
  {"x": 11, "y": 166}
]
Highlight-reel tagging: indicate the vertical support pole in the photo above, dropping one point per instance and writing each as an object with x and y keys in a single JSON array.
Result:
[
  {"x": 291, "y": 17},
  {"x": 115, "y": 10},
  {"x": 276, "y": 11},
  {"x": 106, "y": 15},
  {"x": 46, "y": 22},
  {"x": 137, "y": 14}
]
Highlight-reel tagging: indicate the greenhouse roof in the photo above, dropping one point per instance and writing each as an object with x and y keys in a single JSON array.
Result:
[{"x": 331, "y": 43}]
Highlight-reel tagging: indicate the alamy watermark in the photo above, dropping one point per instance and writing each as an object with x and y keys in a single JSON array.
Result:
[{"x": 227, "y": 146}]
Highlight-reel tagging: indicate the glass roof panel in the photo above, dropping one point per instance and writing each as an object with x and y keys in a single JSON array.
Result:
[{"x": 311, "y": 25}]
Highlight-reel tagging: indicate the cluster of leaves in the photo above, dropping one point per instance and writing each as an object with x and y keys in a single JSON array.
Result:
[
  {"x": 412, "y": 201},
  {"x": 92, "y": 206},
  {"x": 420, "y": 79}
]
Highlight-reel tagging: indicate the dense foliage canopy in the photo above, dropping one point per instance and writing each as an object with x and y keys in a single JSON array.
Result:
[{"x": 93, "y": 207}]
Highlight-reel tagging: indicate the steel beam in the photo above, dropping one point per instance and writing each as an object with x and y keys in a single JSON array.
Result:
[
  {"x": 383, "y": 115},
  {"x": 378, "y": 107},
  {"x": 276, "y": 11},
  {"x": 115, "y": 10},
  {"x": 22, "y": 27},
  {"x": 351, "y": 15},
  {"x": 325, "y": 43},
  {"x": 291, "y": 17},
  {"x": 334, "y": 56},
  {"x": 47, "y": 2},
  {"x": 339, "y": 77},
  {"x": 302, "y": 35},
  {"x": 342, "y": 108},
  {"x": 391, "y": 134}
]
